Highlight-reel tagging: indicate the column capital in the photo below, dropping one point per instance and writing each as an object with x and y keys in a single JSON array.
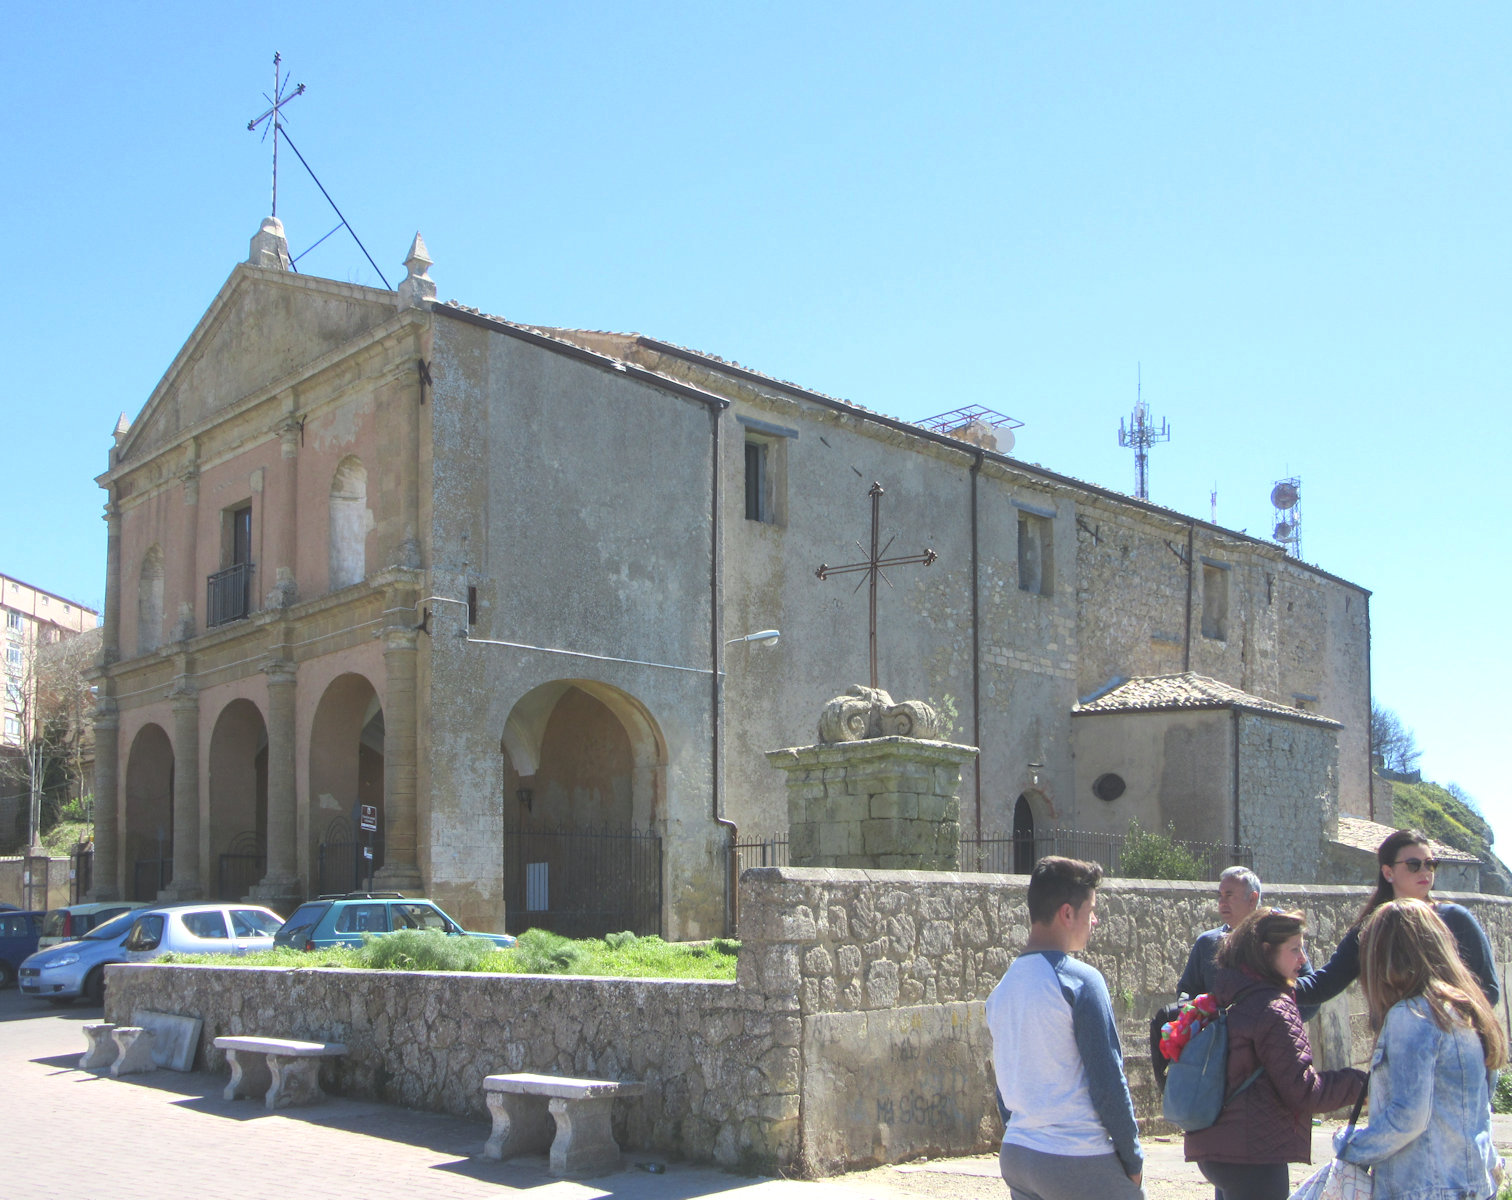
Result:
[
  {"x": 399, "y": 637},
  {"x": 290, "y": 432},
  {"x": 107, "y": 713},
  {"x": 280, "y": 672},
  {"x": 184, "y": 693}
]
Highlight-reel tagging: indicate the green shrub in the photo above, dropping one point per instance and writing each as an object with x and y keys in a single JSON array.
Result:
[
  {"x": 422, "y": 950},
  {"x": 541, "y": 952},
  {"x": 1501, "y": 1099},
  {"x": 1148, "y": 855}
]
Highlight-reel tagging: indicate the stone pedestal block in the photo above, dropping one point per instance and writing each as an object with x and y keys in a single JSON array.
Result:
[{"x": 888, "y": 803}]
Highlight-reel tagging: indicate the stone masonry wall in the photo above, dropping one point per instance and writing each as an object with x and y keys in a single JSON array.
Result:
[
  {"x": 1288, "y": 793},
  {"x": 853, "y": 1035}
]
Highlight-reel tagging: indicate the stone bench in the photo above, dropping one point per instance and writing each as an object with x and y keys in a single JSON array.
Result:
[
  {"x": 525, "y": 1107},
  {"x": 133, "y": 1050},
  {"x": 102, "y": 1048},
  {"x": 284, "y": 1071}
]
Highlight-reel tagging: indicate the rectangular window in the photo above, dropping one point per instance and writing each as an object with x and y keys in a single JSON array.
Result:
[
  {"x": 240, "y": 536},
  {"x": 1036, "y": 557},
  {"x": 12, "y": 729},
  {"x": 13, "y": 656},
  {"x": 537, "y": 895},
  {"x": 1215, "y": 600},
  {"x": 757, "y": 482},
  {"x": 12, "y": 619}
]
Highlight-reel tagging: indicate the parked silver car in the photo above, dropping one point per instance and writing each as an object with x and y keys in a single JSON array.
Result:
[{"x": 64, "y": 973}]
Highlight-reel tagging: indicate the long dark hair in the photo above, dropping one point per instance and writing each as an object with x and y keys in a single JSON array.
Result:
[{"x": 1386, "y": 854}]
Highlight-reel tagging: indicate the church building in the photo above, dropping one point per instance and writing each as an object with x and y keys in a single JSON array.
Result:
[{"x": 487, "y": 587}]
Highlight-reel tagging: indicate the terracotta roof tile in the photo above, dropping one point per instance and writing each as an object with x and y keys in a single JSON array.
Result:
[
  {"x": 1361, "y": 834},
  {"x": 1188, "y": 690}
]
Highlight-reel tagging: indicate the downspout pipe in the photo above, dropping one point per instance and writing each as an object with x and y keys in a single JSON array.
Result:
[
  {"x": 976, "y": 655},
  {"x": 1186, "y": 633},
  {"x": 1237, "y": 842},
  {"x": 716, "y": 682}
]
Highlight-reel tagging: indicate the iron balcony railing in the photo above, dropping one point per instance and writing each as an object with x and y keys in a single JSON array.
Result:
[{"x": 228, "y": 595}]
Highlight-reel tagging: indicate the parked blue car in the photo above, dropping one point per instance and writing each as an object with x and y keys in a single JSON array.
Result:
[
  {"x": 64, "y": 973},
  {"x": 18, "y": 939},
  {"x": 342, "y": 920}
]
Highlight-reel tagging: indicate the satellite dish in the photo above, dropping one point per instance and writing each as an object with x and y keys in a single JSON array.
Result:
[
  {"x": 1005, "y": 440},
  {"x": 1284, "y": 531},
  {"x": 1284, "y": 495}
]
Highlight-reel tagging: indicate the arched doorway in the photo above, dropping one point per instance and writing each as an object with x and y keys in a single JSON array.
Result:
[
  {"x": 238, "y": 791},
  {"x": 346, "y": 774},
  {"x": 147, "y": 828},
  {"x": 582, "y": 778},
  {"x": 1023, "y": 837}
]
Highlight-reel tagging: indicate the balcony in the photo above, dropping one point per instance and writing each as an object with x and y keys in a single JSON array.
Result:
[{"x": 228, "y": 595}]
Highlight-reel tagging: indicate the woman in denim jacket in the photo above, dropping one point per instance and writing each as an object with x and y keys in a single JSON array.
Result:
[{"x": 1437, "y": 1041}]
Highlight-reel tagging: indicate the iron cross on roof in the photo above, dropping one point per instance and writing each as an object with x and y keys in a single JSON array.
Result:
[
  {"x": 278, "y": 99},
  {"x": 872, "y": 566}
]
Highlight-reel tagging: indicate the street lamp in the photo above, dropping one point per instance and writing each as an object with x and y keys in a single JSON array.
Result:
[{"x": 764, "y": 637}]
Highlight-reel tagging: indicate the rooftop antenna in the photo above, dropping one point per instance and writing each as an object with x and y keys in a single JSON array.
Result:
[
  {"x": 1140, "y": 435},
  {"x": 1286, "y": 499},
  {"x": 277, "y": 100},
  {"x": 1213, "y": 502},
  {"x": 274, "y": 118}
]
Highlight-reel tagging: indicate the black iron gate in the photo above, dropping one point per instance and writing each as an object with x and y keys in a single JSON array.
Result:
[
  {"x": 150, "y": 876},
  {"x": 241, "y": 867},
  {"x": 340, "y": 864},
  {"x": 583, "y": 883}
]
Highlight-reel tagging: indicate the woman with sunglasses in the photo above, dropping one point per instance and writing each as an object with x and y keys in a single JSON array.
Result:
[
  {"x": 1437, "y": 1041},
  {"x": 1407, "y": 868}
]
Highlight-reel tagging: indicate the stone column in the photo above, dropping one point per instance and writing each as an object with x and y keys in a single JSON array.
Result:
[
  {"x": 111, "y": 638},
  {"x": 186, "y": 883},
  {"x": 401, "y": 814},
  {"x": 281, "y": 882},
  {"x": 106, "y": 884},
  {"x": 406, "y": 397}
]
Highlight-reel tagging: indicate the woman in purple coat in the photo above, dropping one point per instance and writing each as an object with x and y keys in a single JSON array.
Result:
[{"x": 1269, "y": 1124}]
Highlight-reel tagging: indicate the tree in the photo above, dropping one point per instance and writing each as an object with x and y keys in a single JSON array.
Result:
[
  {"x": 1392, "y": 742},
  {"x": 54, "y": 706}
]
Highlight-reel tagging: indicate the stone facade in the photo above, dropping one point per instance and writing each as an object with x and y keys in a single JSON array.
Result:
[
  {"x": 368, "y": 549},
  {"x": 853, "y": 1035}
]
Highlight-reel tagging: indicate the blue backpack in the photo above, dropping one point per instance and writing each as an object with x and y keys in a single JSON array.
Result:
[{"x": 1195, "y": 1083}]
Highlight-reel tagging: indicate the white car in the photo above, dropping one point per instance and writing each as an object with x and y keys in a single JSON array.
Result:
[{"x": 201, "y": 929}]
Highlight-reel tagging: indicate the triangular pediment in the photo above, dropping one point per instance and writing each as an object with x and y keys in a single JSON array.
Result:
[{"x": 263, "y": 326}]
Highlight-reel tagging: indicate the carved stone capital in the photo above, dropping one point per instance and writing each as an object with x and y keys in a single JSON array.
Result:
[
  {"x": 280, "y": 672},
  {"x": 865, "y": 712}
]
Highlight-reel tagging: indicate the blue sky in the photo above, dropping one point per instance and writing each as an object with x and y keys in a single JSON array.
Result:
[{"x": 1295, "y": 222}]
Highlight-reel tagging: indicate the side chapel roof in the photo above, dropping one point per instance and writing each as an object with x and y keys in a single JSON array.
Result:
[{"x": 1187, "y": 690}]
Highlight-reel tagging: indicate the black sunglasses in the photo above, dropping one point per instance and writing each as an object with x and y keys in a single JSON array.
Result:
[{"x": 1417, "y": 864}]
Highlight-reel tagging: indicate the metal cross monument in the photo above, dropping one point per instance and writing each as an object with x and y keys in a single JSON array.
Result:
[
  {"x": 278, "y": 99},
  {"x": 873, "y": 567}
]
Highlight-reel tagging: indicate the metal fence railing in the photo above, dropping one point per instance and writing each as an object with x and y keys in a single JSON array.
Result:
[{"x": 228, "y": 594}]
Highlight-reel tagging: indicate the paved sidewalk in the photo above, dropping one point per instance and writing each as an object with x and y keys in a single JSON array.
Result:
[{"x": 68, "y": 1132}]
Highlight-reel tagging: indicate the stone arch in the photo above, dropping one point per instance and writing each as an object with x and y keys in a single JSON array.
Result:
[
  {"x": 150, "y": 601},
  {"x": 589, "y": 753},
  {"x": 346, "y": 772},
  {"x": 1033, "y": 820},
  {"x": 583, "y": 780},
  {"x": 147, "y": 827},
  {"x": 237, "y": 787},
  {"x": 350, "y": 520}
]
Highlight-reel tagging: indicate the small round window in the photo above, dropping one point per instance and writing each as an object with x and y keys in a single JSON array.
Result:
[{"x": 1108, "y": 787}]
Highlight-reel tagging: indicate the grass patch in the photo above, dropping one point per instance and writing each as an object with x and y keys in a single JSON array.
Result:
[
  {"x": 621, "y": 955},
  {"x": 61, "y": 839}
]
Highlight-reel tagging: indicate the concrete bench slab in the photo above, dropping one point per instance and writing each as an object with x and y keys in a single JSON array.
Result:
[
  {"x": 570, "y": 1116},
  {"x": 283, "y": 1071},
  {"x": 175, "y": 1038}
]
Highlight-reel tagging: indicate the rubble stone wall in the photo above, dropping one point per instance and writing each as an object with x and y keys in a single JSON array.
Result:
[{"x": 854, "y": 1033}]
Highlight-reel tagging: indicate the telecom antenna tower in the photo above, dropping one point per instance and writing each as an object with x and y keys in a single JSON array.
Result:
[
  {"x": 1286, "y": 499},
  {"x": 1140, "y": 434}
]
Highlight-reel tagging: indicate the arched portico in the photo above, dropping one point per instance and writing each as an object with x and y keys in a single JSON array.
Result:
[
  {"x": 346, "y": 773},
  {"x": 237, "y": 830},
  {"x": 584, "y": 774},
  {"x": 147, "y": 831}
]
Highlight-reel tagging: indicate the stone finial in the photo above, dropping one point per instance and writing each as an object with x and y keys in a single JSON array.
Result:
[
  {"x": 865, "y": 712},
  {"x": 269, "y": 246},
  {"x": 122, "y": 428},
  {"x": 417, "y": 285}
]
